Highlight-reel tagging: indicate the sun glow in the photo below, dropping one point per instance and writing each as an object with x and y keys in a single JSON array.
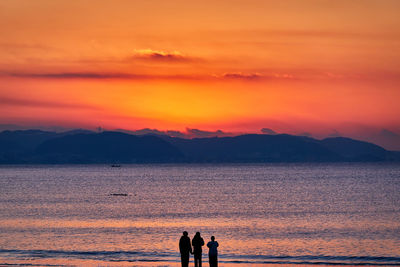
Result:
[{"x": 295, "y": 67}]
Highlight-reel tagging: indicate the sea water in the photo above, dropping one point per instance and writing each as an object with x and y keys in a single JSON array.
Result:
[{"x": 346, "y": 214}]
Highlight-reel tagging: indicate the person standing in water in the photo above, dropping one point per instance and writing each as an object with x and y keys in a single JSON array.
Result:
[
  {"x": 197, "y": 243},
  {"x": 185, "y": 248},
  {"x": 213, "y": 252}
]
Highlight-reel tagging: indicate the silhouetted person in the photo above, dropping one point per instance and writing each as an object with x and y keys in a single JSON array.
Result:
[
  {"x": 185, "y": 248},
  {"x": 197, "y": 243},
  {"x": 213, "y": 252}
]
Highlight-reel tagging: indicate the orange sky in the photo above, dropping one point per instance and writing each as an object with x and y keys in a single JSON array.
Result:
[{"x": 293, "y": 66}]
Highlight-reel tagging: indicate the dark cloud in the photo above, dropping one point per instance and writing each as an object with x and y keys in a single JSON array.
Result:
[
  {"x": 334, "y": 133},
  {"x": 148, "y": 54},
  {"x": 196, "y": 133},
  {"x": 11, "y": 127},
  {"x": 34, "y": 126},
  {"x": 256, "y": 76},
  {"x": 101, "y": 75},
  {"x": 190, "y": 133},
  {"x": 242, "y": 76},
  {"x": 175, "y": 134},
  {"x": 306, "y": 134},
  {"x": 9, "y": 101},
  {"x": 78, "y": 75},
  {"x": 138, "y": 76},
  {"x": 388, "y": 134},
  {"x": 148, "y": 131},
  {"x": 268, "y": 131}
]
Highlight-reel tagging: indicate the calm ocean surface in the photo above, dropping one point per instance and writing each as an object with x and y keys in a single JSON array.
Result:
[{"x": 346, "y": 214}]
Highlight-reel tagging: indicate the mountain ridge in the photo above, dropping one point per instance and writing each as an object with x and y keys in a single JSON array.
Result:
[{"x": 78, "y": 146}]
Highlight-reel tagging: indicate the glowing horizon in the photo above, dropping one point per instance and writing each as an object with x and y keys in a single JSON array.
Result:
[{"x": 317, "y": 66}]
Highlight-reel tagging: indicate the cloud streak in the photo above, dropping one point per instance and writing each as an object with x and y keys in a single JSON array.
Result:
[
  {"x": 242, "y": 76},
  {"x": 101, "y": 76},
  {"x": 239, "y": 76},
  {"x": 255, "y": 76},
  {"x": 9, "y": 101},
  {"x": 77, "y": 75},
  {"x": 162, "y": 56}
]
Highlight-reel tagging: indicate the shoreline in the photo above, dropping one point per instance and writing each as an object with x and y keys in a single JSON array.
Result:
[
  {"x": 138, "y": 263},
  {"x": 9, "y": 261}
]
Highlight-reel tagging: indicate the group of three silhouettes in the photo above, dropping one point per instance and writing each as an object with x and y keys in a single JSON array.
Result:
[{"x": 185, "y": 247}]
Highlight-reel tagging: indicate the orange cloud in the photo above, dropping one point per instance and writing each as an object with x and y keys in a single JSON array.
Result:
[{"x": 149, "y": 54}]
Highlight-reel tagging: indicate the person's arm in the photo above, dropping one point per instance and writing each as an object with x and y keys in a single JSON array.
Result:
[
  {"x": 217, "y": 243},
  {"x": 190, "y": 246}
]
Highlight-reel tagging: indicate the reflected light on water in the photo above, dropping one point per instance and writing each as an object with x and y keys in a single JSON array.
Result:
[{"x": 295, "y": 213}]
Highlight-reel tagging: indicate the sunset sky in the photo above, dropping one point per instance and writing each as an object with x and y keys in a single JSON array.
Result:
[{"x": 317, "y": 67}]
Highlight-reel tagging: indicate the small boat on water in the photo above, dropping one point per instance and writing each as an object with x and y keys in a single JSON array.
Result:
[
  {"x": 115, "y": 166},
  {"x": 119, "y": 194}
]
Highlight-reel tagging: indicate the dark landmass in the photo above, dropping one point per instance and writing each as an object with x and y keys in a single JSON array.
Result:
[
  {"x": 106, "y": 147},
  {"x": 81, "y": 146}
]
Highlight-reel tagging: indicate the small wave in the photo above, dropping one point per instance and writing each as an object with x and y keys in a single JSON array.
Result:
[
  {"x": 140, "y": 256},
  {"x": 28, "y": 264},
  {"x": 314, "y": 260},
  {"x": 312, "y": 263}
]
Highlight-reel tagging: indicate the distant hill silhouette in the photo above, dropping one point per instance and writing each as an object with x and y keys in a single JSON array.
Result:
[
  {"x": 81, "y": 146},
  {"x": 19, "y": 146},
  {"x": 354, "y": 149},
  {"x": 255, "y": 148},
  {"x": 107, "y": 147}
]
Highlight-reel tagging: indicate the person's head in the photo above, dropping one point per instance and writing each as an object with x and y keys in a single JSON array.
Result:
[
  {"x": 212, "y": 238},
  {"x": 197, "y": 233},
  {"x": 185, "y": 233}
]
